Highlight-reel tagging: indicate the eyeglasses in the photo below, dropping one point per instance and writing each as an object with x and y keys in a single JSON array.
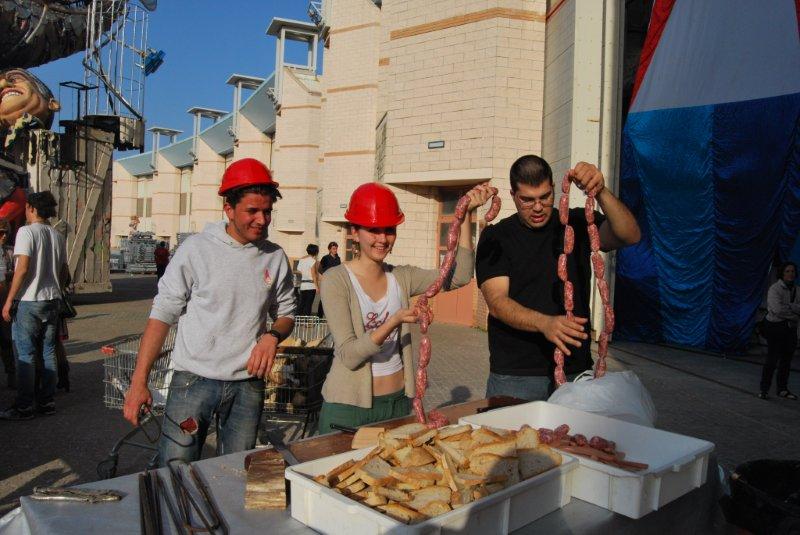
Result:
[{"x": 530, "y": 202}]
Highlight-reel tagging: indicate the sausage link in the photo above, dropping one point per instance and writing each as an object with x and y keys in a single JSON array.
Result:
[
  {"x": 569, "y": 297},
  {"x": 562, "y": 267},
  {"x": 563, "y": 209},
  {"x": 569, "y": 239}
]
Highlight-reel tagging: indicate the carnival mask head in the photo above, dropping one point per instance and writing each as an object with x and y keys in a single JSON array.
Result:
[{"x": 21, "y": 92}]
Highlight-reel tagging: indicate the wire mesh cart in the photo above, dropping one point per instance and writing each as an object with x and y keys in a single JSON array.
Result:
[
  {"x": 117, "y": 370},
  {"x": 294, "y": 386}
]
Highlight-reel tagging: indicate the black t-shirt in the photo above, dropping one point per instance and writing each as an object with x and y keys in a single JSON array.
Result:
[
  {"x": 328, "y": 261},
  {"x": 529, "y": 258}
]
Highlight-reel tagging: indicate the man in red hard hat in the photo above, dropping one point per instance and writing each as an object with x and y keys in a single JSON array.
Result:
[{"x": 220, "y": 288}]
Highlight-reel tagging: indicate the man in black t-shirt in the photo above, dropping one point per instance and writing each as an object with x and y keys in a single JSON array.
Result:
[
  {"x": 516, "y": 267},
  {"x": 328, "y": 261}
]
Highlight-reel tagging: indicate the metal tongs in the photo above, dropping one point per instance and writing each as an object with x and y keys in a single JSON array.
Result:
[
  {"x": 204, "y": 508},
  {"x": 75, "y": 495}
]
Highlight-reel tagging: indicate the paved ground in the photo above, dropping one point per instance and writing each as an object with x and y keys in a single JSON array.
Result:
[{"x": 695, "y": 394}]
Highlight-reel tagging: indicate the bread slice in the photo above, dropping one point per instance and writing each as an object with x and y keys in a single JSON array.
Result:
[
  {"x": 480, "y": 492},
  {"x": 423, "y": 497},
  {"x": 424, "y": 437},
  {"x": 358, "y": 464},
  {"x": 408, "y": 431},
  {"x": 488, "y": 464},
  {"x": 339, "y": 469},
  {"x": 401, "y": 513},
  {"x": 375, "y": 472},
  {"x": 499, "y": 431},
  {"x": 485, "y": 436},
  {"x": 410, "y": 456},
  {"x": 374, "y": 499},
  {"x": 414, "y": 484},
  {"x": 453, "y": 430},
  {"x": 435, "y": 508},
  {"x": 504, "y": 448},
  {"x": 461, "y": 497},
  {"x": 527, "y": 437},
  {"x": 343, "y": 483},
  {"x": 494, "y": 487},
  {"x": 393, "y": 494},
  {"x": 534, "y": 461},
  {"x": 472, "y": 480},
  {"x": 389, "y": 444},
  {"x": 454, "y": 453},
  {"x": 357, "y": 486},
  {"x": 413, "y": 474}
]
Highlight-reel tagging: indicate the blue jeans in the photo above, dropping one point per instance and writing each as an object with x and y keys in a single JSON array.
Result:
[
  {"x": 528, "y": 387},
  {"x": 34, "y": 327},
  {"x": 237, "y": 405}
]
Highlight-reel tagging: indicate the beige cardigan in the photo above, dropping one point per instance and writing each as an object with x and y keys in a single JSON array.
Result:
[{"x": 350, "y": 378}]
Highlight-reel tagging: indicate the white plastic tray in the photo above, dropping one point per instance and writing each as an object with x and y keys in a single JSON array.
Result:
[
  {"x": 677, "y": 463},
  {"x": 327, "y": 511}
]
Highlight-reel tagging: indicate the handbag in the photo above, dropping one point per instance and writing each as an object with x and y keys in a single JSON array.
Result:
[{"x": 67, "y": 309}]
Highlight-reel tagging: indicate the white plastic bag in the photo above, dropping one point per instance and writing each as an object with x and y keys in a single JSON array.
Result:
[{"x": 619, "y": 395}]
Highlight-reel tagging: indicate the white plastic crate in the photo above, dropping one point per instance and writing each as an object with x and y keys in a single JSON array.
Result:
[
  {"x": 677, "y": 463},
  {"x": 328, "y": 512}
]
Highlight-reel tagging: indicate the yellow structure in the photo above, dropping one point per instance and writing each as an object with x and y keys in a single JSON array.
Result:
[{"x": 426, "y": 96}]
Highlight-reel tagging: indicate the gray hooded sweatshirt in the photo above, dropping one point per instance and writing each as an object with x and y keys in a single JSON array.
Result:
[{"x": 221, "y": 293}]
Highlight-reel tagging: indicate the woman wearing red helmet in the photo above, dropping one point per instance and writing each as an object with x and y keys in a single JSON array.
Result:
[{"x": 366, "y": 303}]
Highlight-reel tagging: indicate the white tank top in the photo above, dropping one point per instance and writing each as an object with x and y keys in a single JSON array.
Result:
[
  {"x": 387, "y": 361},
  {"x": 305, "y": 266}
]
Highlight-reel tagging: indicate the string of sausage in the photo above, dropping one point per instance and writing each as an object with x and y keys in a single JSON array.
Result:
[
  {"x": 435, "y": 418},
  {"x": 569, "y": 289},
  {"x": 597, "y": 448}
]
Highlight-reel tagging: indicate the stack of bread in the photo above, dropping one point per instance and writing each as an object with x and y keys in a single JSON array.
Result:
[{"x": 415, "y": 473}]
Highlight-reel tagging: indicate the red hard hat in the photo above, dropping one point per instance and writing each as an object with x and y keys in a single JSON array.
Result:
[
  {"x": 245, "y": 172},
  {"x": 374, "y": 205}
]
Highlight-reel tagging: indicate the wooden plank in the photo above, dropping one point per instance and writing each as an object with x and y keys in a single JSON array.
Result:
[
  {"x": 313, "y": 448},
  {"x": 96, "y": 171}
]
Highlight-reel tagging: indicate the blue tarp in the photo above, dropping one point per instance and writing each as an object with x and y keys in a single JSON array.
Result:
[{"x": 716, "y": 191}]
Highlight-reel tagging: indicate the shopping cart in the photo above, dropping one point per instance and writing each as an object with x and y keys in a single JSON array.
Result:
[
  {"x": 294, "y": 386},
  {"x": 118, "y": 368}
]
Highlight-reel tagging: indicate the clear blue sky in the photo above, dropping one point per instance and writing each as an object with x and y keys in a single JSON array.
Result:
[{"x": 205, "y": 42}]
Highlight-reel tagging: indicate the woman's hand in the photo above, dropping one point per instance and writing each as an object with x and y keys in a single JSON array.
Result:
[
  {"x": 404, "y": 315},
  {"x": 479, "y": 195}
]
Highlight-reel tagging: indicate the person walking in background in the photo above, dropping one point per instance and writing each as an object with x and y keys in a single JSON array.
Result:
[
  {"x": 309, "y": 283},
  {"x": 161, "y": 255},
  {"x": 326, "y": 262},
  {"x": 6, "y": 272},
  {"x": 780, "y": 330},
  {"x": 39, "y": 274}
]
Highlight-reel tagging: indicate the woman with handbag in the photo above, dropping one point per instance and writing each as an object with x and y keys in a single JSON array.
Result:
[
  {"x": 41, "y": 269},
  {"x": 780, "y": 330}
]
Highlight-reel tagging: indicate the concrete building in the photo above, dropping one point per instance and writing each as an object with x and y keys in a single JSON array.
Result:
[{"x": 427, "y": 96}]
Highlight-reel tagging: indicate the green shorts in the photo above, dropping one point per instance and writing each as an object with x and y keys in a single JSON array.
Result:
[{"x": 384, "y": 407}]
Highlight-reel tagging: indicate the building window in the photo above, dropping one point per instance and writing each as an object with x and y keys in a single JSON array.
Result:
[
  {"x": 140, "y": 207},
  {"x": 148, "y": 207},
  {"x": 183, "y": 209},
  {"x": 350, "y": 245},
  {"x": 380, "y": 148},
  {"x": 448, "y": 198}
]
